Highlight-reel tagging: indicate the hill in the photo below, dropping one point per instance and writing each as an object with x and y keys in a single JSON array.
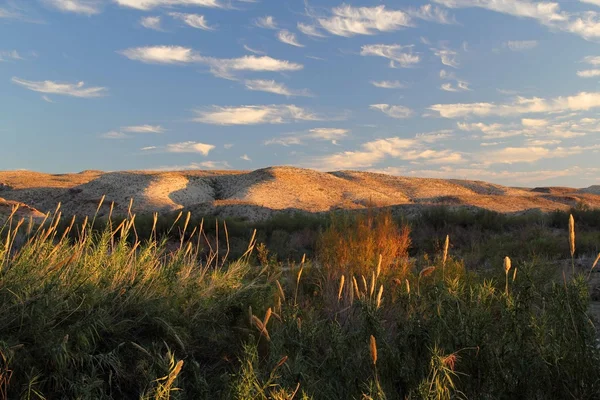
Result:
[{"x": 260, "y": 193}]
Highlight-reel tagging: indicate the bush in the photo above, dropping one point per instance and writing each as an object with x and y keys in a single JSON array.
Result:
[{"x": 354, "y": 243}]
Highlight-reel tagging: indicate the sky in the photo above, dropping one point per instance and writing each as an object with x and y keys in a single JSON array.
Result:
[{"x": 505, "y": 91}]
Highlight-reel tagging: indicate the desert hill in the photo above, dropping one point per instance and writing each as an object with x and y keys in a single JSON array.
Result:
[{"x": 258, "y": 194}]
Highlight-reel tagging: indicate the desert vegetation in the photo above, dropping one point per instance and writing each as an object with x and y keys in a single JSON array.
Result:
[{"x": 447, "y": 305}]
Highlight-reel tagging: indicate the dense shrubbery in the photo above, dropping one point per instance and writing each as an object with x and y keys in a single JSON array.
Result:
[{"x": 98, "y": 314}]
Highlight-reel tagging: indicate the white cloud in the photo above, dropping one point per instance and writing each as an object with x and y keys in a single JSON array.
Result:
[
  {"x": 376, "y": 151},
  {"x": 87, "y": 7},
  {"x": 148, "y": 148},
  {"x": 194, "y": 20},
  {"x": 144, "y": 129},
  {"x": 588, "y": 73},
  {"x": 594, "y": 60},
  {"x": 10, "y": 55},
  {"x": 393, "y": 52},
  {"x": 521, "y": 105},
  {"x": 327, "y": 133},
  {"x": 521, "y": 45},
  {"x": 246, "y": 158},
  {"x": 288, "y": 37},
  {"x": 66, "y": 89},
  {"x": 222, "y": 67},
  {"x": 151, "y": 23},
  {"x": 447, "y": 56},
  {"x": 267, "y": 22},
  {"x": 388, "y": 84},
  {"x": 393, "y": 111},
  {"x": 349, "y": 21},
  {"x": 252, "y": 115},
  {"x": 47, "y": 99},
  {"x": 150, "y": 4},
  {"x": 162, "y": 54},
  {"x": 479, "y": 126},
  {"x": 533, "y": 123},
  {"x": 189, "y": 147},
  {"x": 271, "y": 86},
  {"x": 309, "y": 30},
  {"x": 225, "y": 68}
]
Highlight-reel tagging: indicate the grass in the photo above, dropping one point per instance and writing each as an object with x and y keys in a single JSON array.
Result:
[{"x": 121, "y": 312}]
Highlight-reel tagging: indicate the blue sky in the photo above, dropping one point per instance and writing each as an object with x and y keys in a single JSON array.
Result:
[{"x": 499, "y": 90}]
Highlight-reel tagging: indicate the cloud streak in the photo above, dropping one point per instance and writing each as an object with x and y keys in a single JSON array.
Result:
[
  {"x": 397, "y": 54},
  {"x": 254, "y": 115},
  {"x": 287, "y": 37},
  {"x": 521, "y": 105},
  {"x": 398, "y": 112},
  {"x": 65, "y": 89},
  {"x": 221, "y": 67}
]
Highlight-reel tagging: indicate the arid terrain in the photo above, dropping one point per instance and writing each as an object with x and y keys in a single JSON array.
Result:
[{"x": 258, "y": 194}]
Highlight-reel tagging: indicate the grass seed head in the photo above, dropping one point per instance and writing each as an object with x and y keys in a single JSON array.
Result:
[
  {"x": 373, "y": 349},
  {"x": 572, "y": 234}
]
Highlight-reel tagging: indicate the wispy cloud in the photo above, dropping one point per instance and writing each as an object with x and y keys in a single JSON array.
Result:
[
  {"x": 245, "y": 157},
  {"x": 585, "y": 24},
  {"x": 397, "y": 54},
  {"x": 253, "y": 115},
  {"x": 143, "y": 129},
  {"x": 388, "y": 84},
  {"x": 271, "y": 86},
  {"x": 267, "y": 22},
  {"x": 151, "y": 23},
  {"x": 10, "y": 55},
  {"x": 398, "y": 112},
  {"x": 194, "y": 20},
  {"x": 121, "y": 133},
  {"x": 66, "y": 89},
  {"x": 288, "y": 37},
  {"x": 461, "y": 86},
  {"x": 310, "y": 30},
  {"x": 328, "y": 134},
  {"x": 254, "y": 51},
  {"x": 86, "y": 7},
  {"x": 150, "y": 4},
  {"x": 222, "y": 67},
  {"x": 115, "y": 135},
  {"x": 447, "y": 57},
  {"x": 431, "y": 13},
  {"x": 521, "y": 105},
  {"x": 348, "y": 21},
  {"x": 521, "y": 45}
]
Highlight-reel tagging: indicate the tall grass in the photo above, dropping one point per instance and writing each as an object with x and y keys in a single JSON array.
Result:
[{"x": 120, "y": 313}]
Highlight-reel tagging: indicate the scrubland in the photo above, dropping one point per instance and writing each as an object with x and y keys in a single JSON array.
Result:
[{"x": 446, "y": 305}]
